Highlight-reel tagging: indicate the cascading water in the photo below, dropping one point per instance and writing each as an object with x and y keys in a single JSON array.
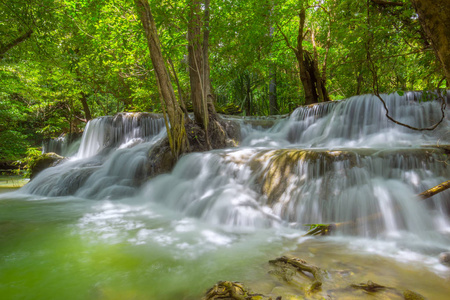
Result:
[
  {"x": 340, "y": 162},
  {"x": 66, "y": 145},
  {"x": 111, "y": 161},
  {"x": 122, "y": 130}
]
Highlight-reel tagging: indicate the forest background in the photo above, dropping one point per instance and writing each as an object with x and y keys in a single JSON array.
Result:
[{"x": 64, "y": 62}]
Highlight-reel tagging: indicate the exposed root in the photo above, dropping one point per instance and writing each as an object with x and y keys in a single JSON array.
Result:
[{"x": 302, "y": 266}]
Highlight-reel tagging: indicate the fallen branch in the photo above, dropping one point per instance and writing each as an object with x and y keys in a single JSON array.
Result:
[
  {"x": 326, "y": 229},
  {"x": 435, "y": 190},
  {"x": 370, "y": 286}
]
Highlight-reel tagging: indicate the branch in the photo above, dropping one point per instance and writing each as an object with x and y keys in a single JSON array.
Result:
[
  {"x": 377, "y": 94},
  {"x": 285, "y": 38},
  {"x": 412, "y": 127},
  {"x": 326, "y": 229},
  {"x": 15, "y": 42},
  {"x": 387, "y": 3},
  {"x": 435, "y": 190}
]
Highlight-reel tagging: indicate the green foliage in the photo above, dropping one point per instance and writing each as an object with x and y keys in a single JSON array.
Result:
[
  {"x": 320, "y": 229},
  {"x": 27, "y": 163},
  {"x": 229, "y": 109},
  {"x": 13, "y": 145},
  {"x": 91, "y": 58}
]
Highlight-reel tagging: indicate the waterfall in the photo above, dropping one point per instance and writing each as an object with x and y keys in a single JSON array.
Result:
[
  {"x": 111, "y": 161},
  {"x": 336, "y": 162},
  {"x": 361, "y": 122},
  {"x": 65, "y": 145},
  {"x": 327, "y": 163},
  {"x": 222, "y": 214},
  {"x": 122, "y": 130}
]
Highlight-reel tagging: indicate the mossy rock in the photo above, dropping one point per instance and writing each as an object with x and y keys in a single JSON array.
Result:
[
  {"x": 444, "y": 258},
  {"x": 410, "y": 295},
  {"x": 231, "y": 290},
  {"x": 43, "y": 162}
]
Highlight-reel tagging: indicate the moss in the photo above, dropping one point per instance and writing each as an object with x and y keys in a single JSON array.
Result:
[
  {"x": 410, "y": 295},
  {"x": 42, "y": 162}
]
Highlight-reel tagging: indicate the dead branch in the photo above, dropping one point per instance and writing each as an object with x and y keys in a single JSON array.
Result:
[{"x": 435, "y": 190}]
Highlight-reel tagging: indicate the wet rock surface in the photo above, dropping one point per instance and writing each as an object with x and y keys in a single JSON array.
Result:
[
  {"x": 295, "y": 278},
  {"x": 444, "y": 258},
  {"x": 44, "y": 161}
]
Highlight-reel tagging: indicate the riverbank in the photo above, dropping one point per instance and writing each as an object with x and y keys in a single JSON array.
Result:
[{"x": 11, "y": 183}]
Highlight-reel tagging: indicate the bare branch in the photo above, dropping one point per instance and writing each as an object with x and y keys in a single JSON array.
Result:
[
  {"x": 377, "y": 94},
  {"x": 435, "y": 190}
]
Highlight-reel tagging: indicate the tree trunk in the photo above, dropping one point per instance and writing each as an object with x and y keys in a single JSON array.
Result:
[
  {"x": 196, "y": 66},
  {"x": 434, "y": 17},
  {"x": 273, "y": 103},
  {"x": 305, "y": 77},
  {"x": 176, "y": 131},
  {"x": 206, "y": 69},
  {"x": 87, "y": 111},
  {"x": 312, "y": 81}
]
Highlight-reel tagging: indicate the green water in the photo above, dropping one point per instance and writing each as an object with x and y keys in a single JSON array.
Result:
[
  {"x": 46, "y": 255},
  {"x": 69, "y": 248},
  {"x": 11, "y": 183}
]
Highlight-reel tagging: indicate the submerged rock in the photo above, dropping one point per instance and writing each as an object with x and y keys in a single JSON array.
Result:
[
  {"x": 410, "y": 295},
  {"x": 444, "y": 258},
  {"x": 288, "y": 267},
  {"x": 232, "y": 291}
]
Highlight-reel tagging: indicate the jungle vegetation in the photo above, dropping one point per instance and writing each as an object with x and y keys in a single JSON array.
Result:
[{"x": 64, "y": 62}]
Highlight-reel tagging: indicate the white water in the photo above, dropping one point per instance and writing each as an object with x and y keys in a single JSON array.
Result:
[{"x": 358, "y": 164}]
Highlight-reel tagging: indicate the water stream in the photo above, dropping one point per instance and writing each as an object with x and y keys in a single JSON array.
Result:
[{"x": 94, "y": 227}]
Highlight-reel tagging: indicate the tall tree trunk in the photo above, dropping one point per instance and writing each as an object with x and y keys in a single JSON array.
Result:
[
  {"x": 308, "y": 86},
  {"x": 273, "y": 103},
  {"x": 359, "y": 80},
  {"x": 313, "y": 83},
  {"x": 87, "y": 111},
  {"x": 196, "y": 67},
  {"x": 176, "y": 131},
  {"x": 248, "y": 94},
  {"x": 206, "y": 69},
  {"x": 434, "y": 17}
]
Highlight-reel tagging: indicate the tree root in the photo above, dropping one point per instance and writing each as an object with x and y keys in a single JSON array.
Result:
[
  {"x": 232, "y": 290},
  {"x": 302, "y": 266},
  {"x": 372, "y": 287}
]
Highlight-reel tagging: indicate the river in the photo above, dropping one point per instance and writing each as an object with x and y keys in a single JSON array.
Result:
[{"x": 93, "y": 228}]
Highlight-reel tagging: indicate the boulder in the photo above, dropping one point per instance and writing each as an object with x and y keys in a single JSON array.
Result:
[
  {"x": 42, "y": 162},
  {"x": 444, "y": 258}
]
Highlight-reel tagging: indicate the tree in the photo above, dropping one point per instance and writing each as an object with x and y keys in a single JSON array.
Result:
[
  {"x": 313, "y": 83},
  {"x": 176, "y": 132},
  {"x": 435, "y": 19}
]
